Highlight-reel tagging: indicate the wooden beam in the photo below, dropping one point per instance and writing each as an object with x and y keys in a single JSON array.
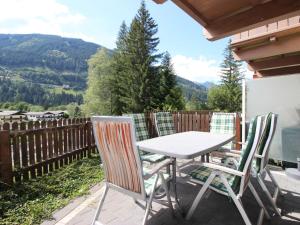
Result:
[
  {"x": 279, "y": 71},
  {"x": 255, "y": 16},
  {"x": 189, "y": 9},
  {"x": 284, "y": 45},
  {"x": 275, "y": 62},
  {"x": 159, "y": 1}
]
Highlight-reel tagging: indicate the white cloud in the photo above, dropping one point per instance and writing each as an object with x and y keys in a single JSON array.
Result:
[
  {"x": 198, "y": 69},
  {"x": 39, "y": 16}
]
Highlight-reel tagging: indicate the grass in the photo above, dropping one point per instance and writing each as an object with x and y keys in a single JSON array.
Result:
[{"x": 33, "y": 201}]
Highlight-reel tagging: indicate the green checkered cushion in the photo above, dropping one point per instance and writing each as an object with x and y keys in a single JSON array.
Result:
[
  {"x": 202, "y": 173},
  {"x": 149, "y": 183},
  {"x": 141, "y": 133},
  {"x": 263, "y": 141},
  {"x": 153, "y": 158},
  {"x": 141, "y": 130},
  {"x": 245, "y": 152},
  {"x": 223, "y": 123},
  {"x": 164, "y": 123}
]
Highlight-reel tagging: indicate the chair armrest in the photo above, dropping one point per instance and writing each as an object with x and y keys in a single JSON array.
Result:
[
  {"x": 258, "y": 156},
  {"x": 223, "y": 169},
  {"x": 158, "y": 167},
  {"x": 228, "y": 153},
  {"x": 237, "y": 152}
]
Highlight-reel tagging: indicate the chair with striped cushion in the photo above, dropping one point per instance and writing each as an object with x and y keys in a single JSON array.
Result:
[
  {"x": 142, "y": 133},
  {"x": 223, "y": 123},
  {"x": 232, "y": 182},
  {"x": 261, "y": 158},
  {"x": 115, "y": 139}
]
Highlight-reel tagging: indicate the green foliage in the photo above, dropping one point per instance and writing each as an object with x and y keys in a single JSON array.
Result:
[
  {"x": 231, "y": 81},
  {"x": 35, "y": 94},
  {"x": 74, "y": 110},
  {"x": 169, "y": 94},
  {"x": 31, "y": 202},
  {"x": 218, "y": 98},
  {"x": 137, "y": 82},
  {"x": 195, "y": 104},
  {"x": 98, "y": 95}
]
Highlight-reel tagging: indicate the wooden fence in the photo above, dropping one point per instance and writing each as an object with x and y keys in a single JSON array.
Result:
[{"x": 28, "y": 150}]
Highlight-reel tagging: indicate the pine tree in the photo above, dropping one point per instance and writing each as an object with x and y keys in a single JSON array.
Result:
[
  {"x": 119, "y": 78},
  {"x": 231, "y": 80},
  {"x": 169, "y": 94},
  {"x": 141, "y": 55}
]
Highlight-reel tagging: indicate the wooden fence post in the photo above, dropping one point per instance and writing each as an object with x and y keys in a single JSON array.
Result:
[
  {"x": 5, "y": 158},
  {"x": 238, "y": 131}
]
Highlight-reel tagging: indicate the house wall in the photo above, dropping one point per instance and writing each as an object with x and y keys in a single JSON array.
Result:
[{"x": 280, "y": 95}]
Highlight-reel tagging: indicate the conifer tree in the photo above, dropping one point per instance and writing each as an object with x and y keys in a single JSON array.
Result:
[
  {"x": 142, "y": 55},
  {"x": 231, "y": 77},
  {"x": 169, "y": 94}
]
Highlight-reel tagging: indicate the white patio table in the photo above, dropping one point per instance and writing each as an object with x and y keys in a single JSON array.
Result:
[{"x": 185, "y": 145}]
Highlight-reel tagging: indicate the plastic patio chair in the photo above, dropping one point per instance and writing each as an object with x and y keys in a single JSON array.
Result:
[
  {"x": 261, "y": 158},
  {"x": 232, "y": 182},
  {"x": 115, "y": 139},
  {"x": 142, "y": 133},
  {"x": 164, "y": 125}
]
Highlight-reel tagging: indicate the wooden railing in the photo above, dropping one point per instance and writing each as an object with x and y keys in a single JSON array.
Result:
[{"x": 28, "y": 150}]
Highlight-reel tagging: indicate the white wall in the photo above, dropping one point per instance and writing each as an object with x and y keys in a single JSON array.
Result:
[{"x": 280, "y": 95}]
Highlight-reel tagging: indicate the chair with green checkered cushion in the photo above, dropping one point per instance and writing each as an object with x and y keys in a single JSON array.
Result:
[
  {"x": 142, "y": 133},
  {"x": 259, "y": 165},
  {"x": 231, "y": 182},
  {"x": 223, "y": 123},
  {"x": 164, "y": 123}
]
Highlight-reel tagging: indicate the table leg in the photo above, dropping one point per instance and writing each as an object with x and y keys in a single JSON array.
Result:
[
  {"x": 207, "y": 157},
  {"x": 175, "y": 185}
]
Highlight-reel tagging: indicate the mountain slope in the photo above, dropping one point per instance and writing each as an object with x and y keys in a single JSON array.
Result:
[{"x": 55, "y": 62}]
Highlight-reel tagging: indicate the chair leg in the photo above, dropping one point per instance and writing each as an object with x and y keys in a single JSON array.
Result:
[
  {"x": 149, "y": 201},
  {"x": 164, "y": 183},
  {"x": 200, "y": 195},
  {"x": 99, "y": 207},
  {"x": 265, "y": 189},
  {"x": 237, "y": 201},
  {"x": 274, "y": 181},
  {"x": 263, "y": 209}
]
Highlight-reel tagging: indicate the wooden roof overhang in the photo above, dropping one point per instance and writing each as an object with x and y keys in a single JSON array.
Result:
[
  {"x": 222, "y": 18},
  {"x": 273, "y": 49}
]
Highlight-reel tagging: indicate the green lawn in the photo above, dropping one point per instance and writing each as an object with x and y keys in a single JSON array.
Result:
[{"x": 35, "y": 200}]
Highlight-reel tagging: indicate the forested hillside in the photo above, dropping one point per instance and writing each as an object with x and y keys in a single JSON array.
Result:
[{"x": 34, "y": 66}]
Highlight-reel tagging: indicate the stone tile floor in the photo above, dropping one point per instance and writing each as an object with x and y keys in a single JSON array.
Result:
[{"x": 214, "y": 209}]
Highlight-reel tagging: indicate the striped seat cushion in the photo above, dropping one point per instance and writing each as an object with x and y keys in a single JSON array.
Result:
[
  {"x": 164, "y": 123},
  {"x": 223, "y": 123},
  {"x": 202, "y": 173}
]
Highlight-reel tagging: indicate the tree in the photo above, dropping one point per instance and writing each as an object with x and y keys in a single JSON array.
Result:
[
  {"x": 218, "y": 98},
  {"x": 120, "y": 80},
  {"x": 170, "y": 95},
  {"x": 231, "y": 80},
  {"x": 143, "y": 79},
  {"x": 97, "y": 99}
]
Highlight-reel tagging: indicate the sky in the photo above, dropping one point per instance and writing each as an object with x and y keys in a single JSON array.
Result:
[{"x": 193, "y": 57}]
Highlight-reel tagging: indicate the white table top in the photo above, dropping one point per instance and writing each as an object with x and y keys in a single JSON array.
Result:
[{"x": 186, "y": 145}]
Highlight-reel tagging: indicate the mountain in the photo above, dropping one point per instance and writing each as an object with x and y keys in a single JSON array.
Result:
[
  {"x": 208, "y": 84},
  {"x": 58, "y": 65}
]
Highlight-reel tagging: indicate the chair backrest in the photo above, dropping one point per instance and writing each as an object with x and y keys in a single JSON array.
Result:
[
  {"x": 164, "y": 123},
  {"x": 223, "y": 123},
  {"x": 265, "y": 142},
  {"x": 115, "y": 140},
  {"x": 141, "y": 130},
  {"x": 248, "y": 151}
]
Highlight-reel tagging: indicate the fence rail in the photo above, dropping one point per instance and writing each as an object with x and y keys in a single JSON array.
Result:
[
  {"x": 28, "y": 150},
  {"x": 31, "y": 149}
]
